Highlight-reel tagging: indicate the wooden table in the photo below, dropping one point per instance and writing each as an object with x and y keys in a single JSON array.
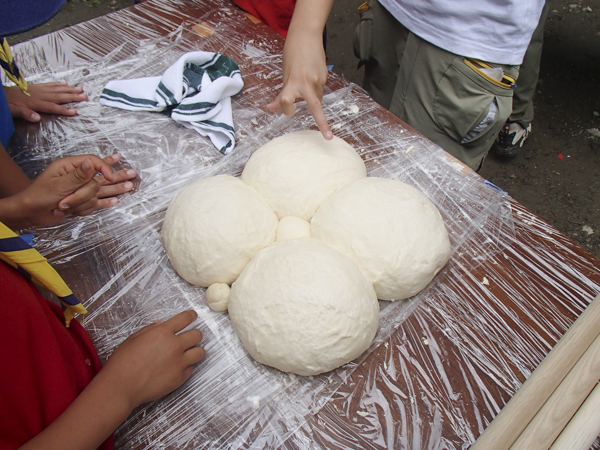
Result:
[{"x": 443, "y": 363}]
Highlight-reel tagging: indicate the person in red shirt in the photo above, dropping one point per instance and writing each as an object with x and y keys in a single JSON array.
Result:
[
  {"x": 54, "y": 394},
  {"x": 276, "y": 14}
]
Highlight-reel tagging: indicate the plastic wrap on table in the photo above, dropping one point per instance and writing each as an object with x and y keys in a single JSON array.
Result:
[{"x": 440, "y": 367}]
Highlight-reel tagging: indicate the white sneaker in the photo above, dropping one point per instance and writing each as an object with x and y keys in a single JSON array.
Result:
[{"x": 511, "y": 137}]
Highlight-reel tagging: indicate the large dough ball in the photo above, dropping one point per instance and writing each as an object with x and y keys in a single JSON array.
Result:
[
  {"x": 391, "y": 230},
  {"x": 303, "y": 307},
  {"x": 296, "y": 172},
  {"x": 214, "y": 227}
]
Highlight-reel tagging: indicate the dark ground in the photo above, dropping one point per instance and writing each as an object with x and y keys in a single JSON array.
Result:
[{"x": 557, "y": 173}]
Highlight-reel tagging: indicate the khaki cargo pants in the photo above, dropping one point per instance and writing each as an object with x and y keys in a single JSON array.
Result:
[{"x": 450, "y": 99}]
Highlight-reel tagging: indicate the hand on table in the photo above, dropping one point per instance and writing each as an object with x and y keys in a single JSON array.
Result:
[
  {"x": 75, "y": 203},
  {"x": 44, "y": 98},
  {"x": 156, "y": 360},
  {"x": 67, "y": 187}
]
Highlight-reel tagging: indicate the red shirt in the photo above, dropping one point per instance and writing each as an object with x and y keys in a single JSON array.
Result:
[
  {"x": 44, "y": 365},
  {"x": 277, "y": 14}
]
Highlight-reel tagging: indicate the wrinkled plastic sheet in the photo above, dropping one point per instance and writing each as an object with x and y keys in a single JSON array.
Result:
[{"x": 443, "y": 363}]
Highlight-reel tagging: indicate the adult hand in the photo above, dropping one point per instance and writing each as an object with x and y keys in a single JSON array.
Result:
[
  {"x": 304, "y": 65},
  {"x": 156, "y": 360},
  {"x": 43, "y": 98}
]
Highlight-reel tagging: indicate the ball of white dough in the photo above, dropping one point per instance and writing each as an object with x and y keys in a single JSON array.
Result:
[
  {"x": 291, "y": 227},
  {"x": 391, "y": 230},
  {"x": 296, "y": 172},
  {"x": 217, "y": 295},
  {"x": 303, "y": 307},
  {"x": 214, "y": 227}
]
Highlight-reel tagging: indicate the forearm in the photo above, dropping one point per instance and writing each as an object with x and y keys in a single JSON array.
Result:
[
  {"x": 88, "y": 421},
  {"x": 11, "y": 213},
  {"x": 12, "y": 178},
  {"x": 310, "y": 16}
]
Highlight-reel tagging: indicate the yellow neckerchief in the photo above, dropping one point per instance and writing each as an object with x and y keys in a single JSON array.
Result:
[
  {"x": 10, "y": 67},
  {"x": 33, "y": 266}
]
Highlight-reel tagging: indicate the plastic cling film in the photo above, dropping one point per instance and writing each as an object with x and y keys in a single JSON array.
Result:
[{"x": 443, "y": 363}]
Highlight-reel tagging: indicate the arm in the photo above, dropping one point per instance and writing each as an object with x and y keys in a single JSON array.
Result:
[
  {"x": 45, "y": 98},
  {"x": 12, "y": 178},
  {"x": 304, "y": 66},
  {"x": 147, "y": 365}
]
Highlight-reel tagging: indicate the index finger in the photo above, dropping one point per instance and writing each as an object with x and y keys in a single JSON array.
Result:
[
  {"x": 179, "y": 321},
  {"x": 316, "y": 109}
]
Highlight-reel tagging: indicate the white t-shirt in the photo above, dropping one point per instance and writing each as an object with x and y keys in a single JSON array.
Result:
[{"x": 496, "y": 31}]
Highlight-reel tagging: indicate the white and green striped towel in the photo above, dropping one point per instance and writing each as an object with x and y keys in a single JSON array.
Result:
[{"x": 198, "y": 88}]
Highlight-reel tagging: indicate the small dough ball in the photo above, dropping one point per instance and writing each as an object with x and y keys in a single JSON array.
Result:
[
  {"x": 214, "y": 227},
  {"x": 303, "y": 307},
  {"x": 291, "y": 227},
  {"x": 217, "y": 295},
  {"x": 391, "y": 230},
  {"x": 296, "y": 172}
]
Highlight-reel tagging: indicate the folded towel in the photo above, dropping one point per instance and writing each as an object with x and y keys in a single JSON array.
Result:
[{"x": 199, "y": 85}]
